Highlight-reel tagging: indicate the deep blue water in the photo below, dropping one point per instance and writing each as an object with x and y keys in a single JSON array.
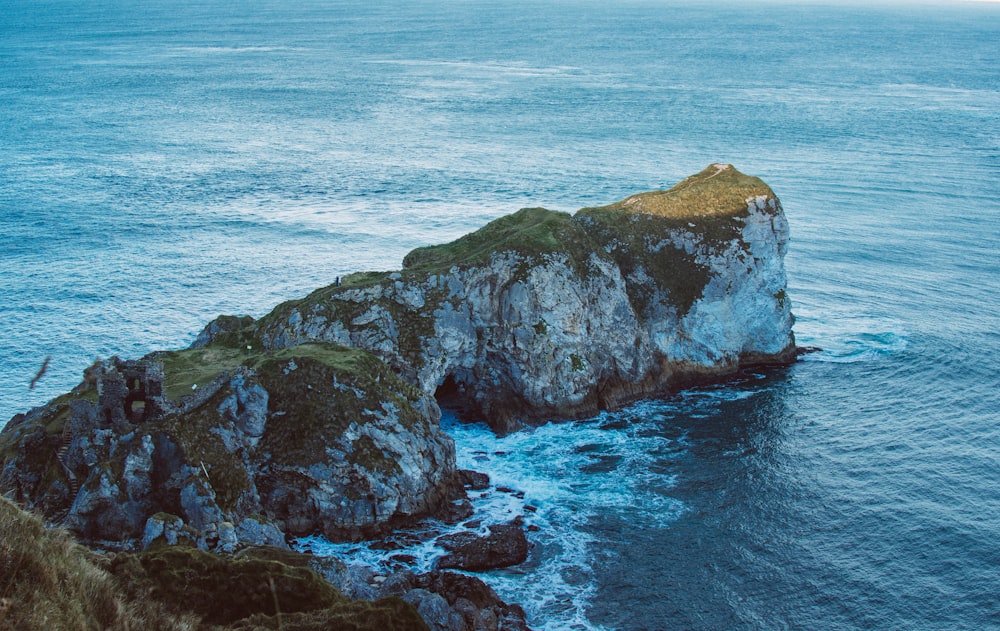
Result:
[{"x": 161, "y": 163}]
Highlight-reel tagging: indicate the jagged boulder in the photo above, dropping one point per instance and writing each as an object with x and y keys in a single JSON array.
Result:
[
  {"x": 503, "y": 545},
  {"x": 449, "y": 601},
  {"x": 224, "y": 329}
]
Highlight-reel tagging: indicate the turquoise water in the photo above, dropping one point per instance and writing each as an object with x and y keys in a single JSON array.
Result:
[{"x": 161, "y": 163}]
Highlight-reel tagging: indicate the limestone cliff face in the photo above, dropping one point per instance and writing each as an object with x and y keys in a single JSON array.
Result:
[{"x": 544, "y": 315}]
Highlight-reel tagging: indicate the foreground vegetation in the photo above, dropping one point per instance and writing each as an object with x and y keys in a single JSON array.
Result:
[{"x": 48, "y": 581}]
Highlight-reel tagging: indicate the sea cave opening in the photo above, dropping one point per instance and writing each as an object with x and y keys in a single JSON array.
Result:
[
  {"x": 448, "y": 393},
  {"x": 452, "y": 397}
]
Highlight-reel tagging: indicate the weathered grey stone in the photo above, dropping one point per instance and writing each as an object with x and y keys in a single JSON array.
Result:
[
  {"x": 102, "y": 510},
  {"x": 198, "y": 503},
  {"x": 358, "y": 582},
  {"x": 254, "y": 530},
  {"x": 169, "y": 528},
  {"x": 138, "y": 465},
  {"x": 475, "y": 602},
  {"x": 246, "y": 408},
  {"x": 397, "y": 584},
  {"x": 228, "y": 539},
  {"x": 435, "y": 611}
]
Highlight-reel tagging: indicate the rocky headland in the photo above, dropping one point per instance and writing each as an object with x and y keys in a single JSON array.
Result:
[
  {"x": 323, "y": 416},
  {"x": 542, "y": 315}
]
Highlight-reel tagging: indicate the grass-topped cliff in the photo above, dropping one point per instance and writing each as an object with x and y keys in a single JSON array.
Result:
[
  {"x": 705, "y": 210},
  {"x": 719, "y": 192},
  {"x": 314, "y": 437},
  {"x": 529, "y": 232},
  {"x": 470, "y": 309}
]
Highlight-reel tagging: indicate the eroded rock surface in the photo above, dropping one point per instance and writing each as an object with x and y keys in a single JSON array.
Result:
[
  {"x": 538, "y": 315},
  {"x": 321, "y": 416}
]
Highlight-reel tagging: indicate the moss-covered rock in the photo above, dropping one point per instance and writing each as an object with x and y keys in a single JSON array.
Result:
[
  {"x": 312, "y": 438},
  {"x": 532, "y": 233},
  {"x": 31, "y": 471},
  {"x": 226, "y": 330},
  {"x": 384, "y": 614}
]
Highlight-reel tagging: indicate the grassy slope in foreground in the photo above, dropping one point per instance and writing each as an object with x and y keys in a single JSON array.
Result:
[{"x": 48, "y": 581}]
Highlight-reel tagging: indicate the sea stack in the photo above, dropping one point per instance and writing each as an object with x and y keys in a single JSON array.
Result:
[{"x": 542, "y": 315}]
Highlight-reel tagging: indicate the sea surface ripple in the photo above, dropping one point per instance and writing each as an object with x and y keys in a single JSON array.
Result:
[{"x": 162, "y": 163}]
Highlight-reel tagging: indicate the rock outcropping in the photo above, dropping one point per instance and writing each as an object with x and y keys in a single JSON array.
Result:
[
  {"x": 542, "y": 315},
  {"x": 317, "y": 438}
]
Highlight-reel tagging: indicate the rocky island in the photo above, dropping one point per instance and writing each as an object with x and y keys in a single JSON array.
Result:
[{"x": 323, "y": 415}]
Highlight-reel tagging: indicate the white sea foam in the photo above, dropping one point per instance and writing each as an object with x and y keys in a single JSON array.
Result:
[{"x": 560, "y": 478}]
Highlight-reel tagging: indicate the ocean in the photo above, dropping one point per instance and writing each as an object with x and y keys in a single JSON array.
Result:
[{"x": 165, "y": 162}]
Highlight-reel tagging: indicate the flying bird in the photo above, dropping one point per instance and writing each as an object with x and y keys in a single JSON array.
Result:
[{"x": 41, "y": 371}]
